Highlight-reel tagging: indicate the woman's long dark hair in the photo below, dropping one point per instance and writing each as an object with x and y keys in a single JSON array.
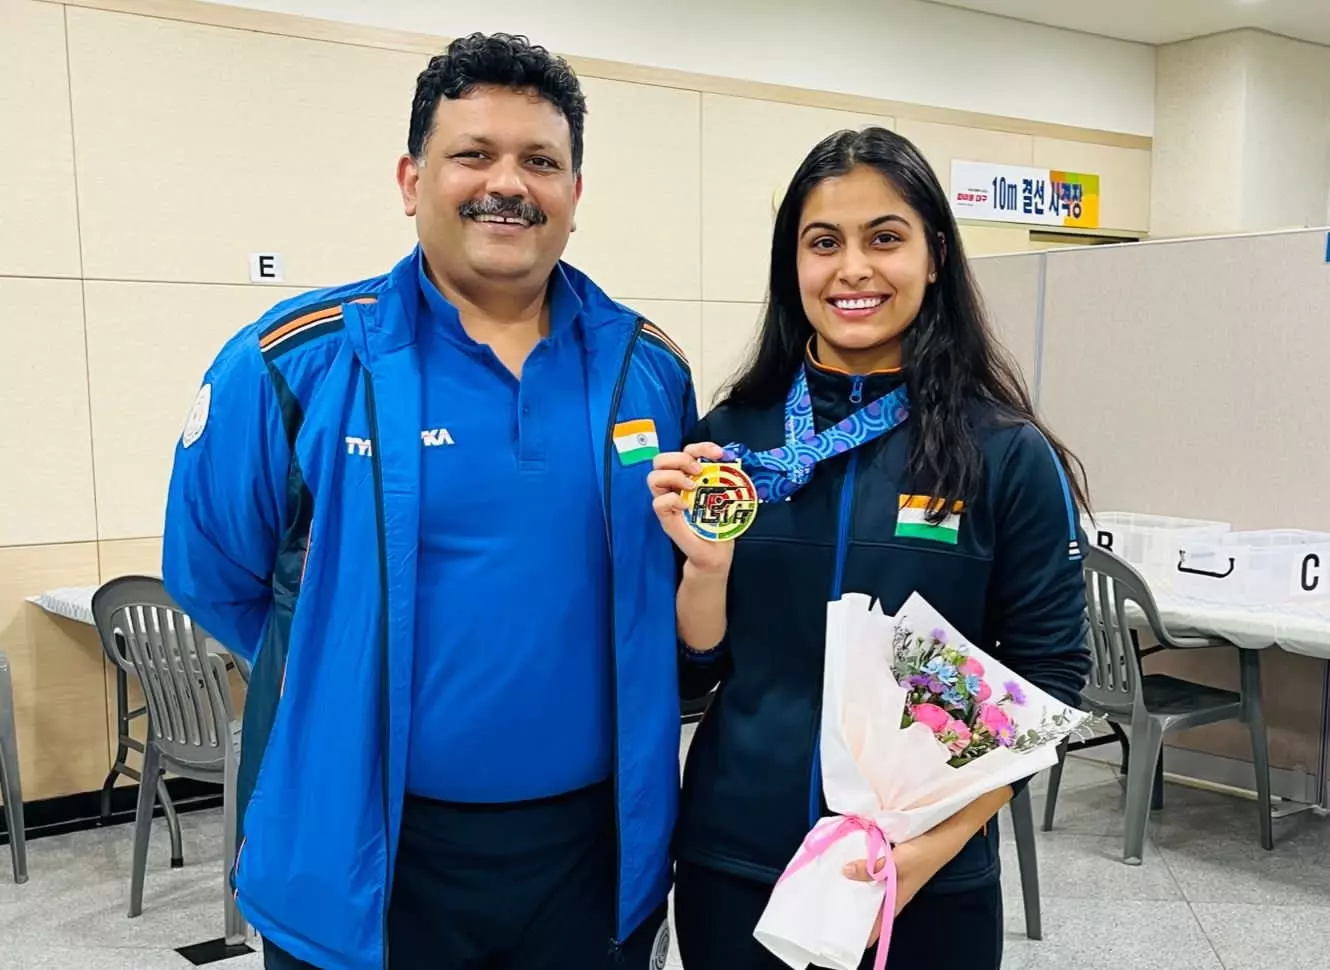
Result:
[{"x": 950, "y": 356}]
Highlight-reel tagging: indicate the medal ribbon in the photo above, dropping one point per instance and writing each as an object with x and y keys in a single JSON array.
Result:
[{"x": 780, "y": 472}]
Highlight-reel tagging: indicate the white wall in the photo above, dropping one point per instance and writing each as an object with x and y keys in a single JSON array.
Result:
[
  {"x": 1242, "y": 135},
  {"x": 1200, "y": 120},
  {"x": 902, "y": 50},
  {"x": 1286, "y": 165}
]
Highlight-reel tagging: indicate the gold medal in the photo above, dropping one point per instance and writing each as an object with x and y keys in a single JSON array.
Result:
[{"x": 722, "y": 503}]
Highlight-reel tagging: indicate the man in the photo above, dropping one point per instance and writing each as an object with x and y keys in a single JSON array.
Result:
[{"x": 417, "y": 503}]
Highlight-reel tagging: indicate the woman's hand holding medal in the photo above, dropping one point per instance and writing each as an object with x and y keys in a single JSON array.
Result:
[{"x": 673, "y": 481}]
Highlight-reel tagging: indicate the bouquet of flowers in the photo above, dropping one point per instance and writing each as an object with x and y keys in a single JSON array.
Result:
[{"x": 916, "y": 724}]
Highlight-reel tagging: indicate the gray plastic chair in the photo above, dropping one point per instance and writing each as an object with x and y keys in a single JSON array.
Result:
[
  {"x": 1153, "y": 705},
  {"x": 11, "y": 790},
  {"x": 125, "y": 743},
  {"x": 192, "y": 728}
]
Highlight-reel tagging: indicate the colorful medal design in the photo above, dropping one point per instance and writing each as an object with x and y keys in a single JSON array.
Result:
[{"x": 722, "y": 503}]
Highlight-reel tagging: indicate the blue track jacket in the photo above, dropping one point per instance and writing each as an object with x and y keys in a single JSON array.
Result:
[{"x": 291, "y": 536}]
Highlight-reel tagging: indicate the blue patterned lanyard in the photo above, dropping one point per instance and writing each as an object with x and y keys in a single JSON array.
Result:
[{"x": 780, "y": 472}]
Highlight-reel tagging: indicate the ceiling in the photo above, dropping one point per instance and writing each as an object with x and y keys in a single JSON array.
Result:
[{"x": 1166, "y": 21}]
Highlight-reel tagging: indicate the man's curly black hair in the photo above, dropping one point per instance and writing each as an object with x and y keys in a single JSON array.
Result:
[{"x": 507, "y": 60}]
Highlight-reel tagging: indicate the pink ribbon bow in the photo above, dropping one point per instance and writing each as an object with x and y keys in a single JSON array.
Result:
[{"x": 879, "y": 850}]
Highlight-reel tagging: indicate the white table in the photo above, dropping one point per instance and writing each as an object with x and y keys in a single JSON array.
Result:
[
  {"x": 1295, "y": 627},
  {"x": 1302, "y": 628},
  {"x": 71, "y": 602}
]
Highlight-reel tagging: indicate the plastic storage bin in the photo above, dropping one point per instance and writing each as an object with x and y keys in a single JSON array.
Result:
[
  {"x": 1263, "y": 566},
  {"x": 1151, "y": 543}
]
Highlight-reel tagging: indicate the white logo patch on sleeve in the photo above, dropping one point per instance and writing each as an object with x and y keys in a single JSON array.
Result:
[{"x": 198, "y": 416}]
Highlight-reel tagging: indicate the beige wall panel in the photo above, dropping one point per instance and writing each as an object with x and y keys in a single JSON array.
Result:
[
  {"x": 994, "y": 239},
  {"x": 1154, "y": 374},
  {"x": 942, "y": 144},
  {"x": 750, "y": 150},
  {"x": 638, "y": 219},
  {"x": 46, "y": 490},
  {"x": 682, "y": 322},
  {"x": 130, "y": 557},
  {"x": 200, "y": 145},
  {"x": 1010, "y": 287},
  {"x": 728, "y": 334},
  {"x": 149, "y": 345},
  {"x": 1124, "y": 178},
  {"x": 59, "y": 683},
  {"x": 38, "y": 215}
]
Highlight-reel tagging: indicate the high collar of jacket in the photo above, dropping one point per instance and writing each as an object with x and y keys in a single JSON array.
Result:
[
  {"x": 392, "y": 325},
  {"x": 837, "y": 394}
]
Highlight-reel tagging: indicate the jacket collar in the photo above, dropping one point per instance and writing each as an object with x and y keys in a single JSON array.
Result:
[
  {"x": 833, "y": 390},
  {"x": 376, "y": 331}
]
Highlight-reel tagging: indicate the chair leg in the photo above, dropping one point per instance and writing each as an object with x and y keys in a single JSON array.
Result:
[
  {"x": 1022, "y": 826},
  {"x": 143, "y": 826},
  {"x": 1121, "y": 735},
  {"x": 122, "y": 748},
  {"x": 1254, "y": 714},
  {"x": 1149, "y": 744},
  {"x": 1054, "y": 784},
  {"x": 172, "y": 824},
  {"x": 237, "y": 930},
  {"x": 11, "y": 792},
  {"x": 11, "y": 787}
]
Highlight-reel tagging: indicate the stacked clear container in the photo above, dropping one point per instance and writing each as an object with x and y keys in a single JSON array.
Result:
[
  {"x": 1267, "y": 566},
  {"x": 1152, "y": 543}
]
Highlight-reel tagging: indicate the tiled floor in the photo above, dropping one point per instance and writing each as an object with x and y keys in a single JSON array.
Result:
[{"x": 1207, "y": 898}]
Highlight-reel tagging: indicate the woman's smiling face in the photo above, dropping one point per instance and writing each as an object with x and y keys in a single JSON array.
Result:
[{"x": 864, "y": 265}]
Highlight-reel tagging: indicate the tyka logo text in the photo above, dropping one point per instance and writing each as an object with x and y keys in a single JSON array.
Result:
[{"x": 430, "y": 438}]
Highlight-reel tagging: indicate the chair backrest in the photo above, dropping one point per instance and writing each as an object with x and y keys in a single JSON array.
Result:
[
  {"x": 1111, "y": 586},
  {"x": 185, "y": 687}
]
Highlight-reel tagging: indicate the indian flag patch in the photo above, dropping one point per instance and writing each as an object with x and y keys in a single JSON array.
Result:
[
  {"x": 912, "y": 520},
  {"x": 636, "y": 441}
]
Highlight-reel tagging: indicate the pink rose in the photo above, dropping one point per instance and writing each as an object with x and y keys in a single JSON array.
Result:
[
  {"x": 931, "y": 716},
  {"x": 956, "y": 736},
  {"x": 984, "y": 693},
  {"x": 995, "y": 721},
  {"x": 972, "y": 667}
]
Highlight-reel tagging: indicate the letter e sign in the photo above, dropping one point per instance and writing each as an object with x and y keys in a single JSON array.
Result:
[{"x": 266, "y": 268}]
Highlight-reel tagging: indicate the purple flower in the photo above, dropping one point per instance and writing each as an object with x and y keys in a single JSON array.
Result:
[
  {"x": 1014, "y": 691},
  {"x": 938, "y": 635}
]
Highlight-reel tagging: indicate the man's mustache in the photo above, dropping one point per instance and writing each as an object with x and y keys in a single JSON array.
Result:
[{"x": 512, "y": 206}]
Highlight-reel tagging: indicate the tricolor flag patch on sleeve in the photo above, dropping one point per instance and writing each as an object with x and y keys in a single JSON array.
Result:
[
  {"x": 636, "y": 441},
  {"x": 912, "y": 520}
]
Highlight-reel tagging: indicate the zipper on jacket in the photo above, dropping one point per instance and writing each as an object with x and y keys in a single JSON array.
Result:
[
  {"x": 843, "y": 516},
  {"x": 384, "y": 692},
  {"x": 608, "y": 491}
]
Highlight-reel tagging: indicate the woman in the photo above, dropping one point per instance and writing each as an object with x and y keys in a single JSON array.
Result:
[{"x": 934, "y": 475}]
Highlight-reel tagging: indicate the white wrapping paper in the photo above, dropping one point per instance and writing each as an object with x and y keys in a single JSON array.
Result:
[{"x": 898, "y": 778}]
